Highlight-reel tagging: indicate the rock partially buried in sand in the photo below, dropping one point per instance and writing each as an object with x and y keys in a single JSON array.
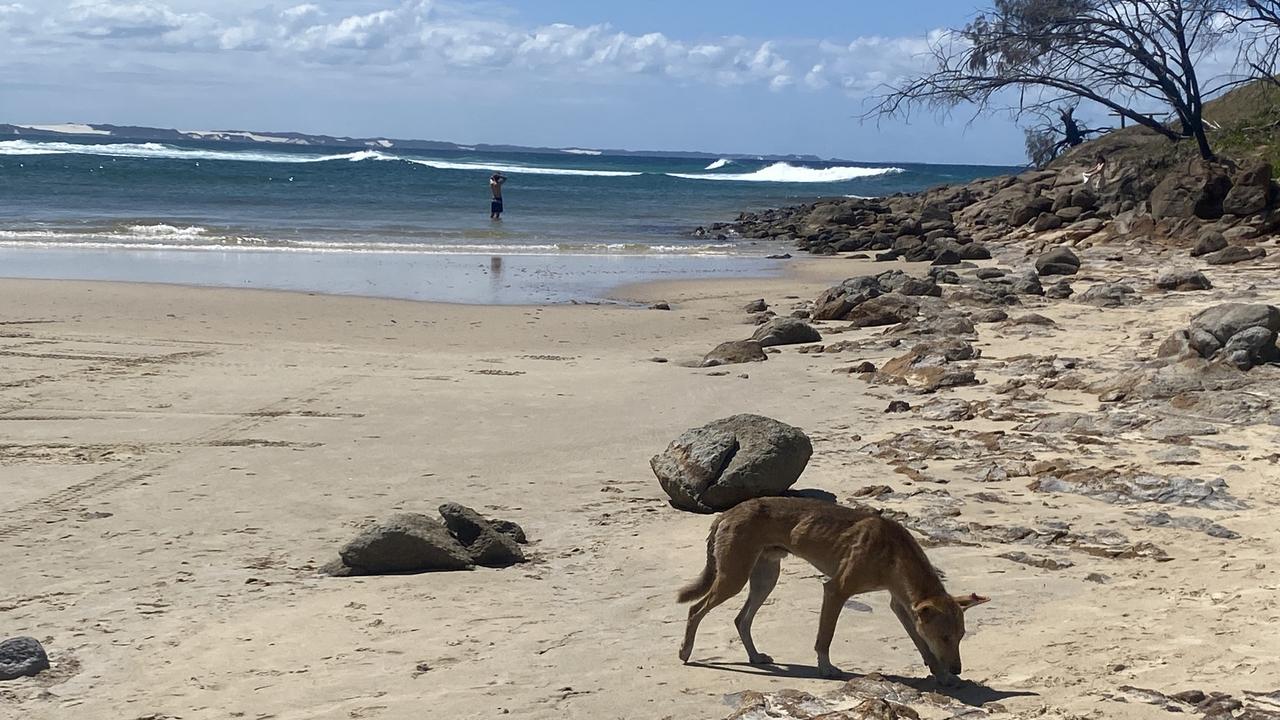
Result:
[
  {"x": 785, "y": 331},
  {"x": 1183, "y": 280},
  {"x": 22, "y": 657},
  {"x": 725, "y": 462},
  {"x": 402, "y": 543},
  {"x": 735, "y": 352}
]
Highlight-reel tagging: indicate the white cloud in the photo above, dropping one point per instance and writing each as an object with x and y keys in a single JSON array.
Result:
[{"x": 413, "y": 36}]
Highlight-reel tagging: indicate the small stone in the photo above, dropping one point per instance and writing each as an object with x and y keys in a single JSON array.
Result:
[
  {"x": 898, "y": 406},
  {"x": 22, "y": 657},
  {"x": 660, "y": 306}
]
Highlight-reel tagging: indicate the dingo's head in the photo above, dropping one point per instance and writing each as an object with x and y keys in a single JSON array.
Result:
[{"x": 940, "y": 623}]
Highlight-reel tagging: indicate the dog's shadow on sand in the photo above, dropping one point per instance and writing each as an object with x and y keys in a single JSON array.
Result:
[{"x": 969, "y": 693}]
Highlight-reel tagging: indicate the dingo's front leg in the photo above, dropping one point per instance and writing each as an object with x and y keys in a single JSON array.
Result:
[{"x": 832, "y": 603}]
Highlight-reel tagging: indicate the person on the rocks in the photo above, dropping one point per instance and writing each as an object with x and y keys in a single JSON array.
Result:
[{"x": 1095, "y": 173}]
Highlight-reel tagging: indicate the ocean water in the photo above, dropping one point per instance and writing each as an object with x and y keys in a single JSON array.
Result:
[{"x": 233, "y": 214}]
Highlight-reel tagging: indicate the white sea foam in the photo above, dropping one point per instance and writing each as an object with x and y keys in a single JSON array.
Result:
[
  {"x": 782, "y": 172},
  {"x": 149, "y": 150},
  {"x": 170, "y": 237},
  {"x": 722, "y": 162},
  {"x": 580, "y": 151},
  {"x": 167, "y": 231},
  {"x": 515, "y": 169},
  {"x": 170, "y": 152}
]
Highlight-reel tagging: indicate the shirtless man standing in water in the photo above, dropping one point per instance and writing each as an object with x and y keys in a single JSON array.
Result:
[{"x": 495, "y": 186}]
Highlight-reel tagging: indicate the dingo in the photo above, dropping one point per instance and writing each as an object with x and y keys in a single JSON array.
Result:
[{"x": 859, "y": 551}]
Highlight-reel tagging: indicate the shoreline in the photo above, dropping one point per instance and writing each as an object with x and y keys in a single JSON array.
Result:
[{"x": 512, "y": 279}]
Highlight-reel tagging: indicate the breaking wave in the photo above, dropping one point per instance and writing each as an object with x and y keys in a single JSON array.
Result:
[
  {"x": 722, "y": 162},
  {"x": 159, "y": 151},
  {"x": 782, "y": 172}
]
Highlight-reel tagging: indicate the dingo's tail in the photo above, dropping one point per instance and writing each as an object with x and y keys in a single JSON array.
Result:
[{"x": 699, "y": 587}]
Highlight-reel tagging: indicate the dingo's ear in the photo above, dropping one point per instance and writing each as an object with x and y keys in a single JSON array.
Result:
[{"x": 970, "y": 600}]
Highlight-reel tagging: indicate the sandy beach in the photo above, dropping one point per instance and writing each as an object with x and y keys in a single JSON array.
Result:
[{"x": 180, "y": 461}]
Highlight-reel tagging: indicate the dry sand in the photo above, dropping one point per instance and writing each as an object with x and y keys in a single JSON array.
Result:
[{"x": 177, "y": 463}]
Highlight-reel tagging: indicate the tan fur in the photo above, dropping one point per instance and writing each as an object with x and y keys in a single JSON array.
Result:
[{"x": 858, "y": 550}]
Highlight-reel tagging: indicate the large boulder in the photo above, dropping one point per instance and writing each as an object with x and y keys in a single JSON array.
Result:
[
  {"x": 1251, "y": 192},
  {"x": 725, "y": 462},
  {"x": 22, "y": 657},
  {"x": 735, "y": 352},
  {"x": 403, "y": 543},
  {"x": 1058, "y": 261},
  {"x": 1196, "y": 193},
  {"x": 1246, "y": 335},
  {"x": 785, "y": 331}
]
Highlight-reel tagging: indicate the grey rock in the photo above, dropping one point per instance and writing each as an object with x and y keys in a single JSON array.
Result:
[
  {"x": 889, "y": 309},
  {"x": 725, "y": 462},
  {"x": 483, "y": 542},
  {"x": 1199, "y": 524},
  {"x": 756, "y": 306},
  {"x": 1233, "y": 254},
  {"x": 989, "y": 315},
  {"x": 1047, "y": 221},
  {"x": 1058, "y": 261},
  {"x": 1183, "y": 279},
  {"x": 1060, "y": 290},
  {"x": 1230, "y": 318},
  {"x": 1210, "y": 241},
  {"x": 1250, "y": 347},
  {"x": 1109, "y": 295},
  {"x": 1026, "y": 283},
  {"x": 1121, "y": 488},
  {"x": 735, "y": 352},
  {"x": 898, "y": 406},
  {"x": 785, "y": 331},
  {"x": 22, "y": 657},
  {"x": 405, "y": 542}
]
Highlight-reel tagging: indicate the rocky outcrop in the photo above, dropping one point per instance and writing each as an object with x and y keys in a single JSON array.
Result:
[
  {"x": 723, "y": 463},
  {"x": 1196, "y": 192},
  {"x": 1251, "y": 191}
]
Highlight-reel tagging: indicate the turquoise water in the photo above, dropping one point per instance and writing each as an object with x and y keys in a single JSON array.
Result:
[{"x": 234, "y": 204}]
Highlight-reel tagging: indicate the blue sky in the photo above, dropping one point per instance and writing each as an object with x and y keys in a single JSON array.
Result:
[{"x": 748, "y": 76}]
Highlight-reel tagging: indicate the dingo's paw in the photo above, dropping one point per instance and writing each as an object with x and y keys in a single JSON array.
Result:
[
  {"x": 830, "y": 672},
  {"x": 760, "y": 659}
]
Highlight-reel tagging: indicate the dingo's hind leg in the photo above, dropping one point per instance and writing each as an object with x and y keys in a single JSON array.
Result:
[
  {"x": 731, "y": 577},
  {"x": 764, "y": 577}
]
